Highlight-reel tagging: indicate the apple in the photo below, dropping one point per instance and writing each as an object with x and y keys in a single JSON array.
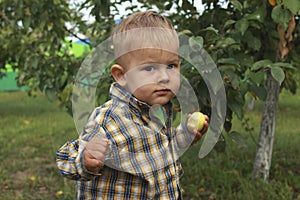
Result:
[{"x": 196, "y": 121}]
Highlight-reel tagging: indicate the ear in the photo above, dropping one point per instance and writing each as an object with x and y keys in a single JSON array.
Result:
[{"x": 118, "y": 73}]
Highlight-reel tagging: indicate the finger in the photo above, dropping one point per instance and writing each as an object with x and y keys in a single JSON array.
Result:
[
  {"x": 104, "y": 145},
  {"x": 94, "y": 154},
  {"x": 104, "y": 141},
  {"x": 89, "y": 154},
  {"x": 206, "y": 118},
  {"x": 95, "y": 163},
  {"x": 187, "y": 118},
  {"x": 197, "y": 136},
  {"x": 99, "y": 140},
  {"x": 196, "y": 132},
  {"x": 204, "y": 129},
  {"x": 92, "y": 165},
  {"x": 98, "y": 144}
]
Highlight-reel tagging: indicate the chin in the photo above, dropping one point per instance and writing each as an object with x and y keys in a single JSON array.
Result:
[{"x": 160, "y": 102}]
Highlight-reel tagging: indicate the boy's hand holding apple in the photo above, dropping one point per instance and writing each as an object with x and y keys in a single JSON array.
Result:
[{"x": 197, "y": 124}]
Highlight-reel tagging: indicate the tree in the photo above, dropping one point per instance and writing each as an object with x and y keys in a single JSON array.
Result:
[
  {"x": 284, "y": 16},
  {"x": 34, "y": 42},
  {"x": 241, "y": 37}
]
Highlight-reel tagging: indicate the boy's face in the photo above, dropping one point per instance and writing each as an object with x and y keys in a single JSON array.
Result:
[{"x": 152, "y": 75}]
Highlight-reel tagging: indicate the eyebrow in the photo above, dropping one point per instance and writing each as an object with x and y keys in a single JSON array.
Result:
[
  {"x": 153, "y": 61},
  {"x": 174, "y": 60}
]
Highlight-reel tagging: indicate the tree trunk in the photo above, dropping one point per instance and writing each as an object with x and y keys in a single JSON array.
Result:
[{"x": 264, "y": 150}]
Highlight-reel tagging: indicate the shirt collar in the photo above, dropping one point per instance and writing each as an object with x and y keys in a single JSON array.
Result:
[{"x": 119, "y": 93}]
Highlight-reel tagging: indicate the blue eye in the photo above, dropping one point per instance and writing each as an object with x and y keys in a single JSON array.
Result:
[
  {"x": 149, "y": 68},
  {"x": 171, "y": 66}
]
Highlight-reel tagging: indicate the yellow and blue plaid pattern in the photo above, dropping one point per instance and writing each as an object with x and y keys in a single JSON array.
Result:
[{"x": 143, "y": 160}]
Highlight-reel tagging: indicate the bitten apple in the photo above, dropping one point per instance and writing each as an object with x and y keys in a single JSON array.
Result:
[{"x": 196, "y": 121}]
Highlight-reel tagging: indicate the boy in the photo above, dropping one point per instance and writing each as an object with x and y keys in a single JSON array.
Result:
[{"x": 127, "y": 150}]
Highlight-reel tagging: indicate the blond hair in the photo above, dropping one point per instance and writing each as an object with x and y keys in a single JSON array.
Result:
[
  {"x": 143, "y": 30},
  {"x": 142, "y": 20}
]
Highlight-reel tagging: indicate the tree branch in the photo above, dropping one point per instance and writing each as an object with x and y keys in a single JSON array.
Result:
[{"x": 75, "y": 35}]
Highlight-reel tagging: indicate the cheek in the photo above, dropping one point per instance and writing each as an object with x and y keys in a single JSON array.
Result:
[
  {"x": 142, "y": 93},
  {"x": 132, "y": 81},
  {"x": 175, "y": 80}
]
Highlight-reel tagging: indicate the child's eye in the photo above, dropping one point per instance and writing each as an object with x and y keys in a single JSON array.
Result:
[
  {"x": 171, "y": 66},
  {"x": 149, "y": 68}
]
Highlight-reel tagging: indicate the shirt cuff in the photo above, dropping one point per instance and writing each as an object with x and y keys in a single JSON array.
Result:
[{"x": 184, "y": 138}]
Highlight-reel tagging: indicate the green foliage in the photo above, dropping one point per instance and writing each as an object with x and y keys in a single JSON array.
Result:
[
  {"x": 292, "y": 5},
  {"x": 281, "y": 16}
]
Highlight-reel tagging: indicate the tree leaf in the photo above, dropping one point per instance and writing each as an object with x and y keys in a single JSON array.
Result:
[
  {"x": 292, "y": 5},
  {"x": 281, "y": 16},
  {"x": 229, "y": 22},
  {"x": 259, "y": 91},
  {"x": 258, "y": 77},
  {"x": 278, "y": 74},
  {"x": 235, "y": 103},
  {"x": 231, "y": 61},
  {"x": 284, "y": 65},
  {"x": 261, "y": 64},
  {"x": 242, "y": 25},
  {"x": 258, "y": 15},
  {"x": 187, "y": 32},
  {"x": 226, "y": 42},
  {"x": 212, "y": 29},
  {"x": 237, "y": 138},
  {"x": 252, "y": 41},
  {"x": 237, "y": 5},
  {"x": 196, "y": 43}
]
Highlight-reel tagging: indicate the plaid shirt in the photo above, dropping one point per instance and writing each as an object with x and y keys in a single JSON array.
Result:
[{"x": 143, "y": 158}]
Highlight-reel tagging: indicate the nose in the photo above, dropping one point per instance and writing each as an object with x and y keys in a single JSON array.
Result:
[{"x": 163, "y": 76}]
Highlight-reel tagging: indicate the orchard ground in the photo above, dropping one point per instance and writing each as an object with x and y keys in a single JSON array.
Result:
[{"x": 32, "y": 130}]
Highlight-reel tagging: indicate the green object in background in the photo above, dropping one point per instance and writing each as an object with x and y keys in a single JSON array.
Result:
[
  {"x": 79, "y": 48},
  {"x": 8, "y": 82}
]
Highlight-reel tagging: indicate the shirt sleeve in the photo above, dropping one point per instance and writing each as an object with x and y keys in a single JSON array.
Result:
[
  {"x": 69, "y": 158},
  {"x": 183, "y": 137},
  {"x": 65, "y": 159}
]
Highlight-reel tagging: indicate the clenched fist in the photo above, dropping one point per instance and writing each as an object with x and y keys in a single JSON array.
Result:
[{"x": 94, "y": 153}]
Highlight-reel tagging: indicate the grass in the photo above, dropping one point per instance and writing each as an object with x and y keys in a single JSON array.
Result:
[{"x": 32, "y": 130}]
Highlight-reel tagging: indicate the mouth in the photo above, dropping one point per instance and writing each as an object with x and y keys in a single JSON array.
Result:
[{"x": 162, "y": 91}]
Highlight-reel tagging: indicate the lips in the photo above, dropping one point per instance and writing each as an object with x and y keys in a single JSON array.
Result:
[{"x": 162, "y": 91}]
